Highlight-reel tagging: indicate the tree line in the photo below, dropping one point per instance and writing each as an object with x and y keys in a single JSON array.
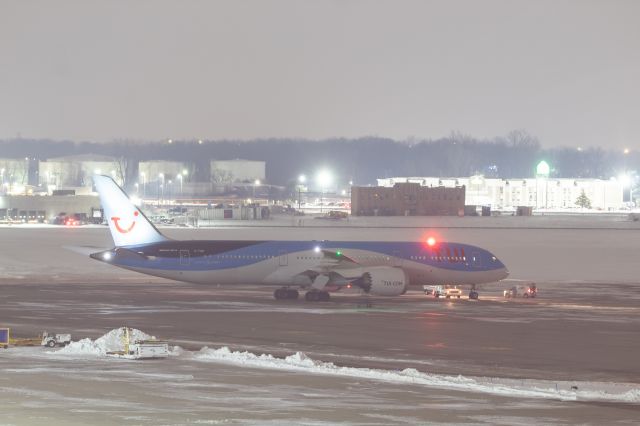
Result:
[{"x": 360, "y": 160}]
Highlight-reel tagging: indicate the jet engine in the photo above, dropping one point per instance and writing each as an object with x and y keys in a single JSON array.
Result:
[{"x": 383, "y": 281}]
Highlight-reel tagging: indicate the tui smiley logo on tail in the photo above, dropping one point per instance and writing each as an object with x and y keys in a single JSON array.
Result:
[{"x": 116, "y": 223}]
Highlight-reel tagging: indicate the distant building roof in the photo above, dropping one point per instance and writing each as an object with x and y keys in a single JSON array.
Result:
[
  {"x": 83, "y": 157},
  {"x": 237, "y": 160}
]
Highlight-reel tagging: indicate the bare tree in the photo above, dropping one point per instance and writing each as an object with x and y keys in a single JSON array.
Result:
[
  {"x": 221, "y": 176},
  {"x": 122, "y": 164}
]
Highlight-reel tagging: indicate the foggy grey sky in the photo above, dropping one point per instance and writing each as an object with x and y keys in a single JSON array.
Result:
[{"x": 566, "y": 71}]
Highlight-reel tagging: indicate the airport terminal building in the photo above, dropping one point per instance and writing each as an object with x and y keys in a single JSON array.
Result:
[
  {"x": 407, "y": 199},
  {"x": 538, "y": 193}
]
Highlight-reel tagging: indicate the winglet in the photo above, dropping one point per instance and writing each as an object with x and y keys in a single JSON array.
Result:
[{"x": 128, "y": 225}]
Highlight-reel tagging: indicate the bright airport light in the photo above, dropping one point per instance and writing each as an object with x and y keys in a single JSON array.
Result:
[
  {"x": 302, "y": 178},
  {"x": 324, "y": 178},
  {"x": 543, "y": 169},
  {"x": 625, "y": 179}
]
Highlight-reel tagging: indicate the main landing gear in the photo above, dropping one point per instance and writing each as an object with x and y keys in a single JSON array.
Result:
[
  {"x": 286, "y": 294},
  {"x": 316, "y": 296}
]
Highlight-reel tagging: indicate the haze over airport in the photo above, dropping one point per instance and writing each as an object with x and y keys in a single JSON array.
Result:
[{"x": 566, "y": 72}]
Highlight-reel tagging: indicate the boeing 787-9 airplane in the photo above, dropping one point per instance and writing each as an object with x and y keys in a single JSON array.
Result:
[{"x": 318, "y": 267}]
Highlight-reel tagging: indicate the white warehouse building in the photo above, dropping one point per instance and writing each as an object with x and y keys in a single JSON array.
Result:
[
  {"x": 76, "y": 172},
  {"x": 154, "y": 171},
  {"x": 14, "y": 174},
  {"x": 539, "y": 193}
]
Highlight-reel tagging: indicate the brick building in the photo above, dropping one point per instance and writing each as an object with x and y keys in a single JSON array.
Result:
[{"x": 407, "y": 199}]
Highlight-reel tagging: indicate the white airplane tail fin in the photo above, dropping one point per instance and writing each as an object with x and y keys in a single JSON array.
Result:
[{"x": 128, "y": 225}]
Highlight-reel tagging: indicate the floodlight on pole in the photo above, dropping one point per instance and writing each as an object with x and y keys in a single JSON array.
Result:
[
  {"x": 323, "y": 178},
  {"x": 301, "y": 180},
  {"x": 543, "y": 169},
  {"x": 255, "y": 183},
  {"x": 160, "y": 186}
]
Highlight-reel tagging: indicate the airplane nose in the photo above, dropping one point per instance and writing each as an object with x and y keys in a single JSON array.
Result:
[{"x": 504, "y": 273}]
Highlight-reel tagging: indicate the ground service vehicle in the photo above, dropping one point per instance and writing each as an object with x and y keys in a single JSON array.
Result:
[
  {"x": 452, "y": 292},
  {"x": 52, "y": 340},
  {"x": 530, "y": 291},
  {"x": 433, "y": 290},
  {"x": 511, "y": 293},
  {"x": 526, "y": 291}
]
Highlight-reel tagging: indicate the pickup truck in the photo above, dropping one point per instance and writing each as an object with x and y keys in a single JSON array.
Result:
[{"x": 452, "y": 292}]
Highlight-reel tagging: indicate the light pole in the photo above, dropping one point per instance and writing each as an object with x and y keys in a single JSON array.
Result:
[
  {"x": 182, "y": 176},
  {"x": 255, "y": 183},
  {"x": 160, "y": 187},
  {"x": 625, "y": 180},
  {"x": 301, "y": 180},
  {"x": 324, "y": 178},
  {"x": 144, "y": 185}
]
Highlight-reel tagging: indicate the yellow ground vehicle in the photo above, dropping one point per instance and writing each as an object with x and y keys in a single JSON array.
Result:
[{"x": 6, "y": 340}]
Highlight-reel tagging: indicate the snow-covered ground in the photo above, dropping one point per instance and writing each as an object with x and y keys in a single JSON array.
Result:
[
  {"x": 299, "y": 362},
  {"x": 218, "y": 385}
]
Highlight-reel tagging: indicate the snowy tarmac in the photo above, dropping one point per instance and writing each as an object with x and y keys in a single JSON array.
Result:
[{"x": 568, "y": 357}]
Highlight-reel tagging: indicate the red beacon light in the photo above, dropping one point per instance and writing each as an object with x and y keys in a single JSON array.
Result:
[{"x": 431, "y": 241}]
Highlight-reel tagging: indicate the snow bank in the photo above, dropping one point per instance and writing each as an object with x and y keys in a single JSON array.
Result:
[
  {"x": 299, "y": 362},
  {"x": 112, "y": 341}
]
